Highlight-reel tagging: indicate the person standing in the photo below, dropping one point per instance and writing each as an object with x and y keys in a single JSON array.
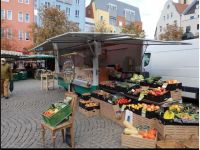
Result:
[{"x": 6, "y": 76}]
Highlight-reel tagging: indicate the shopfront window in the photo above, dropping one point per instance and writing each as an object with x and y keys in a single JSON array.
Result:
[{"x": 147, "y": 57}]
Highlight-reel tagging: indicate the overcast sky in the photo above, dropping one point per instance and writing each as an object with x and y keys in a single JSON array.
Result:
[{"x": 150, "y": 11}]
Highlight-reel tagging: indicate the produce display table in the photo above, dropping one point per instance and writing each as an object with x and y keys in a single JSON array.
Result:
[
  {"x": 22, "y": 75},
  {"x": 48, "y": 80}
]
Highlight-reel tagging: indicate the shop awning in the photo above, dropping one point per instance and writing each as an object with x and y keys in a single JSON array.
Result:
[
  {"x": 11, "y": 54},
  {"x": 38, "y": 56},
  {"x": 74, "y": 40}
]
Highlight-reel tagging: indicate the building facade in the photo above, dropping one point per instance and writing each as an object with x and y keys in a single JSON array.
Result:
[
  {"x": 74, "y": 9},
  {"x": 115, "y": 14},
  {"x": 16, "y": 17},
  {"x": 179, "y": 13},
  {"x": 190, "y": 18}
]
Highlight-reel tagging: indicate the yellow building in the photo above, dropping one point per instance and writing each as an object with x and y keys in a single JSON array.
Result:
[{"x": 112, "y": 15}]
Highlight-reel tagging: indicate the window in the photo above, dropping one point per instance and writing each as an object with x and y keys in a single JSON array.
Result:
[
  {"x": 147, "y": 57},
  {"x": 27, "y": 19},
  {"x": 9, "y": 34},
  {"x": 35, "y": 18},
  {"x": 164, "y": 17},
  {"x": 171, "y": 15},
  {"x": 89, "y": 11},
  {"x": 58, "y": 6},
  {"x": 2, "y": 32},
  {"x": 191, "y": 17},
  {"x": 68, "y": 11},
  {"x": 112, "y": 7},
  {"x": 160, "y": 28},
  {"x": 27, "y": 36},
  {"x": 27, "y": 2},
  {"x": 120, "y": 23},
  {"x": 47, "y": 4},
  {"x": 188, "y": 28},
  {"x": 35, "y": 3},
  {"x": 3, "y": 14},
  {"x": 20, "y": 1},
  {"x": 77, "y": 1},
  {"x": 197, "y": 26},
  {"x": 185, "y": 1},
  {"x": 175, "y": 22},
  {"x": 167, "y": 16},
  {"x": 77, "y": 13},
  {"x": 20, "y": 35},
  {"x": 20, "y": 17},
  {"x": 101, "y": 18},
  {"x": 9, "y": 14},
  {"x": 168, "y": 6},
  {"x": 113, "y": 21}
]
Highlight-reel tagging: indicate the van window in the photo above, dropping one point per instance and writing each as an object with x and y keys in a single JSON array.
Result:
[{"x": 147, "y": 57}]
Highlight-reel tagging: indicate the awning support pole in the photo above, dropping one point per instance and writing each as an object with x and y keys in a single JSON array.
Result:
[
  {"x": 97, "y": 51},
  {"x": 55, "y": 47}
]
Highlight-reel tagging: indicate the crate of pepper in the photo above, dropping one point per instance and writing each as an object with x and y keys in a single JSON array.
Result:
[
  {"x": 56, "y": 113},
  {"x": 157, "y": 95},
  {"x": 123, "y": 101}
]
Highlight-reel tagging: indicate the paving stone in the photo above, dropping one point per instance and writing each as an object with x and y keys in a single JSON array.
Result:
[{"x": 20, "y": 121}]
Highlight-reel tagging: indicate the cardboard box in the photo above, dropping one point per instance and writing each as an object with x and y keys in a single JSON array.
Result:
[{"x": 137, "y": 142}]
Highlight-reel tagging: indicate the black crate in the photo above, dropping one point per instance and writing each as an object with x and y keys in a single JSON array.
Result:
[
  {"x": 151, "y": 114},
  {"x": 159, "y": 98},
  {"x": 138, "y": 112},
  {"x": 172, "y": 87},
  {"x": 85, "y": 97},
  {"x": 144, "y": 83},
  {"x": 155, "y": 85}
]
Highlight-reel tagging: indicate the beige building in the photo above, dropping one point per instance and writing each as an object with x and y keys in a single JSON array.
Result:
[
  {"x": 185, "y": 14},
  {"x": 190, "y": 18}
]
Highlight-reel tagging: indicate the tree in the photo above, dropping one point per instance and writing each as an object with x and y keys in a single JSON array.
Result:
[
  {"x": 102, "y": 27},
  {"x": 172, "y": 32},
  {"x": 135, "y": 29},
  {"x": 54, "y": 22}
]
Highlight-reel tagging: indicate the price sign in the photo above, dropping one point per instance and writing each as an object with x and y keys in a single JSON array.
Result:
[{"x": 164, "y": 85}]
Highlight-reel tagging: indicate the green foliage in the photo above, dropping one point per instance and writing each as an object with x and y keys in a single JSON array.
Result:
[{"x": 172, "y": 33}]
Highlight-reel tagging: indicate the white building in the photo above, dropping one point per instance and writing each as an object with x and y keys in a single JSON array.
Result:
[
  {"x": 190, "y": 18},
  {"x": 89, "y": 25},
  {"x": 171, "y": 13}
]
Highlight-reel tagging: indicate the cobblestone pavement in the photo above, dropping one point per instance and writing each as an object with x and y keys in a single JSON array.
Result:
[{"x": 20, "y": 121}]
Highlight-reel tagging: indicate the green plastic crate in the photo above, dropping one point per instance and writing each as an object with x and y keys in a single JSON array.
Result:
[{"x": 58, "y": 117}]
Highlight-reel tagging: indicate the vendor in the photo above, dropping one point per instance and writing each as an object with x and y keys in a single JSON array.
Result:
[{"x": 118, "y": 68}]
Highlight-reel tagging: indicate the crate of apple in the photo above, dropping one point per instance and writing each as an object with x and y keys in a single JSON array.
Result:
[{"x": 158, "y": 94}]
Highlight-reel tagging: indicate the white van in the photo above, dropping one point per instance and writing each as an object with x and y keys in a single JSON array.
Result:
[{"x": 180, "y": 62}]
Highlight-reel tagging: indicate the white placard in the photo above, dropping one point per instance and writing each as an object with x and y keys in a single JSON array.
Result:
[
  {"x": 129, "y": 116},
  {"x": 164, "y": 85}
]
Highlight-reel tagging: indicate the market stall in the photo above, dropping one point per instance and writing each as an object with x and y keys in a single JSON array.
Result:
[
  {"x": 95, "y": 44},
  {"x": 148, "y": 107}
]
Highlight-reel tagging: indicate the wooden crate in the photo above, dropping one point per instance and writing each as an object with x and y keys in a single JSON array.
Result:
[
  {"x": 138, "y": 119},
  {"x": 88, "y": 114},
  {"x": 137, "y": 142},
  {"x": 109, "y": 111},
  {"x": 176, "y": 132},
  {"x": 176, "y": 94}
]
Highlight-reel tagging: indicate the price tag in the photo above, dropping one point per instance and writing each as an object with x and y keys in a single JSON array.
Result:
[
  {"x": 143, "y": 113},
  {"x": 164, "y": 85},
  {"x": 109, "y": 101}
]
